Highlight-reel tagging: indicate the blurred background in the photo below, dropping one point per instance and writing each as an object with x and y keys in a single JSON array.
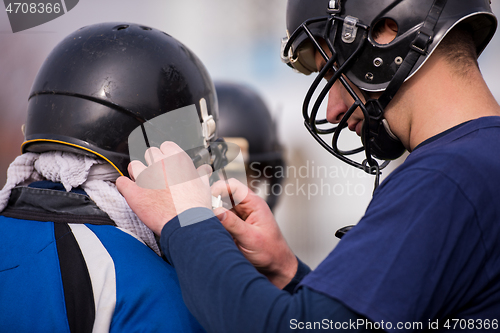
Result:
[{"x": 238, "y": 41}]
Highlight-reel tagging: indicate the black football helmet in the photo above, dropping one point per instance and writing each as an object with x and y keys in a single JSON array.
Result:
[
  {"x": 243, "y": 114},
  {"x": 347, "y": 26},
  {"x": 114, "y": 89}
]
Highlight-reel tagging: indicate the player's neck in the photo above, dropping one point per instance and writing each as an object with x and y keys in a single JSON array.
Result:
[{"x": 441, "y": 99}]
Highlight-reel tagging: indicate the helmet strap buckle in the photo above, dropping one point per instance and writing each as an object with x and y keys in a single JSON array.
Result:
[
  {"x": 334, "y": 6},
  {"x": 208, "y": 122},
  {"x": 422, "y": 41}
]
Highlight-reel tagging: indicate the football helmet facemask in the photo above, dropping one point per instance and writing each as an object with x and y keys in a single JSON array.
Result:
[{"x": 347, "y": 28}]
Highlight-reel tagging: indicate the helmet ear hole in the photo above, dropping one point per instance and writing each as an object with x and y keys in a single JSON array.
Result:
[
  {"x": 384, "y": 31},
  {"x": 121, "y": 27}
]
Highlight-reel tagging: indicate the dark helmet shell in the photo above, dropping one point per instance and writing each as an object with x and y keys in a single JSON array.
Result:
[{"x": 103, "y": 81}]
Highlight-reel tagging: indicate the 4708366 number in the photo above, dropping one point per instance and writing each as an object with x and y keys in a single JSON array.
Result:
[
  {"x": 33, "y": 8},
  {"x": 471, "y": 324}
]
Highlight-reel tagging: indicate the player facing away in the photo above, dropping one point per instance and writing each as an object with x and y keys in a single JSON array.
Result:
[{"x": 73, "y": 255}]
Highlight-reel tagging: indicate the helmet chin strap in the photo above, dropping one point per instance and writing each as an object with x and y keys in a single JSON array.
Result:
[
  {"x": 388, "y": 129},
  {"x": 383, "y": 143}
]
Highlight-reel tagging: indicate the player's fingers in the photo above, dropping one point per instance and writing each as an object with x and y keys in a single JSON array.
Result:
[
  {"x": 179, "y": 164},
  {"x": 230, "y": 187},
  {"x": 153, "y": 155},
  {"x": 135, "y": 168},
  {"x": 169, "y": 148},
  {"x": 205, "y": 171},
  {"x": 233, "y": 224}
]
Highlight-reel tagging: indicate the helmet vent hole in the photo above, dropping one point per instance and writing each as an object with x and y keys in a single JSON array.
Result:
[
  {"x": 385, "y": 31},
  {"x": 145, "y": 28},
  {"x": 121, "y": 27}
]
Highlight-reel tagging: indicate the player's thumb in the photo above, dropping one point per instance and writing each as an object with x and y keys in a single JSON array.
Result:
[
  {"x": 128, "y": 189},
  {"x": 233, "y": 224}
]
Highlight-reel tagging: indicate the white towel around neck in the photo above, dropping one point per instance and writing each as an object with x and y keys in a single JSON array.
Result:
[{"x": 95, "y": 176}]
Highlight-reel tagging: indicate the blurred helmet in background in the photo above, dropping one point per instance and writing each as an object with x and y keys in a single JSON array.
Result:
[{"x": 244, "y": 119}]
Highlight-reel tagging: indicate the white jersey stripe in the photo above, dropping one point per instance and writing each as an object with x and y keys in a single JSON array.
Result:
[{"x": 102, "y": 275}]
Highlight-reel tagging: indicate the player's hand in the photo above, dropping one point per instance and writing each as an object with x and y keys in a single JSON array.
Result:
[
  {"x": 170, "y": 184},
  {"x": 256, "y": 233}
]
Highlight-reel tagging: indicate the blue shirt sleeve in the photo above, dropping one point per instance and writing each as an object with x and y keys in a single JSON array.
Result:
[
  {"x": 227, "y": 294},
  {"x": 302, "y": 271}
]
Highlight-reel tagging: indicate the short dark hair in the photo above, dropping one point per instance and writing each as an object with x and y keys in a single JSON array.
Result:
[{"x": 459, "y": 49}]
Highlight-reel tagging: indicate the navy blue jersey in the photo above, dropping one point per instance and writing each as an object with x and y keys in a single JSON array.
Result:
[{"x": 427, "y": 249}]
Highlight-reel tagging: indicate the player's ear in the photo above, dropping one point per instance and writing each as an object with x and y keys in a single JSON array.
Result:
[{"x": 385, "y": 31}]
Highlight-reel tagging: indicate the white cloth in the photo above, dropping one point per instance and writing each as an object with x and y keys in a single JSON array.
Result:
[{"x": 95, "y": 176}]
